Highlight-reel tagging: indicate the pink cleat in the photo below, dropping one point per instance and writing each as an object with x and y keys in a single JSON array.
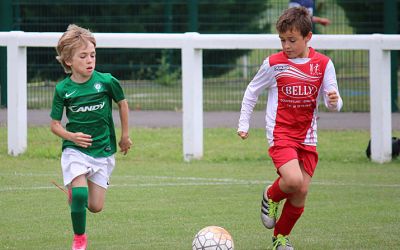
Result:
[{"x": 80, "y": 242}]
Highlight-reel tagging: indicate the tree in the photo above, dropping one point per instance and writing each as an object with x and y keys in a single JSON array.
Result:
[{"x": 365, "y": 16}]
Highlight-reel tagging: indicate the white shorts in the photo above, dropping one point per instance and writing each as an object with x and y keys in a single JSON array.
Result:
[{"x": 97, "y": 170}]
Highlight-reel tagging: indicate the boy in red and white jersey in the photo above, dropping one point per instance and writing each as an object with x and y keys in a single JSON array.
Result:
[{"x": 297, "y": 78}]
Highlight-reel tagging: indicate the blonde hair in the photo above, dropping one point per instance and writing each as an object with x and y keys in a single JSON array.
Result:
[{"x": 72, "y": 39}]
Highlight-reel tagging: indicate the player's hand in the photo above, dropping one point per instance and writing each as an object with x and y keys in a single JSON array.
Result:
[
  {"x": 81, "y": 139},
  {"x": 321, "y": 20},
  {"x": 333, "y": 98},
  {"x": 125, "y": 144},
  {"x": 325, "y": 21},
  {"x": 243, "y": 135}
]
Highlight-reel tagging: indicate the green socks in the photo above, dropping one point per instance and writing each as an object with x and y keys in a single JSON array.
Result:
[{"x": 78, "y": 209}]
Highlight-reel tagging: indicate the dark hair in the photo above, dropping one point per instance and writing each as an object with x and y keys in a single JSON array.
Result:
[{"x": 296, "y": 18}]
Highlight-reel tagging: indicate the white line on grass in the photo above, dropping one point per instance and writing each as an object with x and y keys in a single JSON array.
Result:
[
  {"x": 140, "y": 177},
  {"x": 27, "y": 174},
  {"x": 164, "y": 184},
  {"x": 195, "y": 181}
]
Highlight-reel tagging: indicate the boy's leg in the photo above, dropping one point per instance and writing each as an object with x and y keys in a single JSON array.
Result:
[
  {"x": 291, "y": 178},
  {"x": 98, "y": 183},
  {"x": 286, "y": 161},
  {"x": 279, "y": 190},
  {"x": 97, "y": 196},
  {"x": 274, "y": 191},
  {"x": 79, "y": 191},
  {"x": 293, "y": 208}
]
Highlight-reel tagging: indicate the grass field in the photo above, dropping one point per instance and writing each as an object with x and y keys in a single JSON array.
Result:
[{"x": 157, "y": 201}]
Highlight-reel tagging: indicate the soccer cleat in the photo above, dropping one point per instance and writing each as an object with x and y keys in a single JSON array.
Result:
[
  {"x": 281, "y": 242},
  {"x": 269, "y": 210},
  {"x": 80, "y": 242}
]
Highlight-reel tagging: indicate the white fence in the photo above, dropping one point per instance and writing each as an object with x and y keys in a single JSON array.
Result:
[{"x": 192, "y": 44}]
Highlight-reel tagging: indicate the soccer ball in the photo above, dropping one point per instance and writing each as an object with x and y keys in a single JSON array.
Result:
[{"x": 213, "y": 238}]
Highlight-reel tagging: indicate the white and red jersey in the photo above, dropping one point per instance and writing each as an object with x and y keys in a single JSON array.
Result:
[{"x": 295, "y": 87}]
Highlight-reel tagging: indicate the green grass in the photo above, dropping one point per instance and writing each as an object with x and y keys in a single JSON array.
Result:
[{"x": 157, "y": 201}]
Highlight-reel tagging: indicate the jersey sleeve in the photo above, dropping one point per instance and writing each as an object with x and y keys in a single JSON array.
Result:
[
  {"x": 262, "y": 80},
  {"x": 116, "y": 90},
  {"x": 57, "y": 107},
  {"x": 329, "y": 83}
]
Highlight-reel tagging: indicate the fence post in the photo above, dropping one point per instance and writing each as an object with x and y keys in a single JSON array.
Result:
[
  {"x": 17, "y": 95},
  {"x": 192, "y": 99},
  {"x": 380, "y": 102}
]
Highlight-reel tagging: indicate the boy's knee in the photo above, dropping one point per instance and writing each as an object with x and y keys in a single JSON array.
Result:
[
  {"x": 294, "y": 185},
  {"x": 302, "y": 192},
  {"x": 95, "y": 208}
]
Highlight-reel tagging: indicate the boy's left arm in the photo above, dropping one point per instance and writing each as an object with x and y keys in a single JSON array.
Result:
[
  {"x": 333, "y": 100},
  {"x": 330, "y": 90},
  {"x": 125, "y": 143}
]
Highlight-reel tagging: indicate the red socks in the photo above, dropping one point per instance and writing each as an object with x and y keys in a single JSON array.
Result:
[
  {"x": 290, "y": 214},
  {"x": 275, "y": 193},
  {"x": 287, "y": 220}
]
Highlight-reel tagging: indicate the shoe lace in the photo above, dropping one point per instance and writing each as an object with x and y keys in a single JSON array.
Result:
[
  {"x": 280, "y": 240},
  {"x": 272, "y": 208}
]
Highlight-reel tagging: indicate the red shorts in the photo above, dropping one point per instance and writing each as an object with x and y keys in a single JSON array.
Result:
[{"x": 284, "y": 151}]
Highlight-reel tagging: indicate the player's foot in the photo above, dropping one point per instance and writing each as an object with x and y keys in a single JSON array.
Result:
[
  {"x": 80, "y": 242},
  {"x": 281, "y": 242},
  {"x": 269, "y": 210}
]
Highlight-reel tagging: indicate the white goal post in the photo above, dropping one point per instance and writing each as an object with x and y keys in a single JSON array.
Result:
[{"x": 191, "y": 45}]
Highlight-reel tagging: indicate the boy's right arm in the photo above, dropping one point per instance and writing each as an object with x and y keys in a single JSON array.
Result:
[
  {"x": 80, "y": 139},
  {"x": 260, "y": 81},
  {"x": 243, "y": 135}
]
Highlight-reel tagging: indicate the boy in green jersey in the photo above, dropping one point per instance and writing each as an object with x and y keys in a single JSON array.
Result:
[{"x": 89, "y": 140}]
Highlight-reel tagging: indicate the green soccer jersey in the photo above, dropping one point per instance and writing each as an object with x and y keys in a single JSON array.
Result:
[{"x": 88, "y": 107}]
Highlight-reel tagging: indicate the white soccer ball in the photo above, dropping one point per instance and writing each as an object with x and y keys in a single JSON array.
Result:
[{"x": 213, "y": 238}]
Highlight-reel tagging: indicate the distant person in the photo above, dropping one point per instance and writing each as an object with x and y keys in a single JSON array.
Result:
[
  {"x": 309, "y": 4},
  {"x": 89, "y": 139},
  {"x": 296, "y": 79}
]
